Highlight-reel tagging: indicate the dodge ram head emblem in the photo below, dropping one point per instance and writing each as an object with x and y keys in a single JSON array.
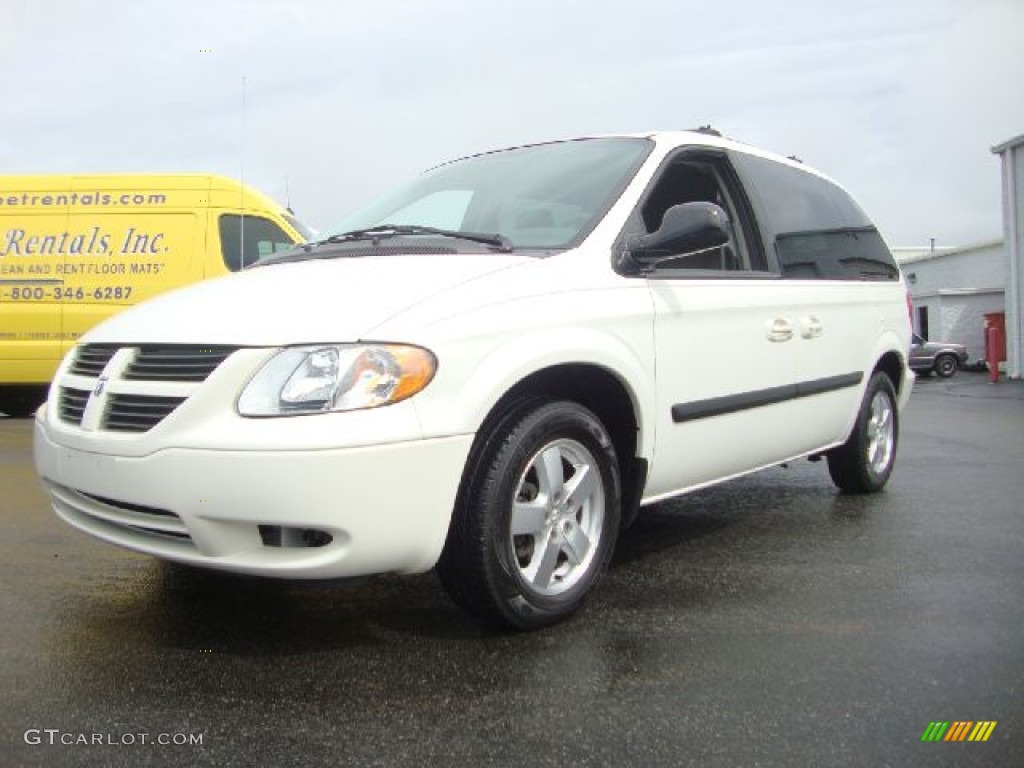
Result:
[{"x": 100, "y": 383}]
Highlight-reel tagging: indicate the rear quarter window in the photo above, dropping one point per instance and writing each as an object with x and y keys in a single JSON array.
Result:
[
  {"x": 813, "y": 227},
  {"x": 845, "y": 254}
]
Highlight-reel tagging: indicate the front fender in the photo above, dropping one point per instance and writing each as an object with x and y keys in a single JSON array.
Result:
[{"x": 522, "y": 355}]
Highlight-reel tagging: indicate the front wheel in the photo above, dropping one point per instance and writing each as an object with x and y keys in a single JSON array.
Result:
[
  {"x": 945, "y": 365},
  {"x": 865, "y": 461},
  {"x": 21, "y": 401},
  {"x": 537, "y": 517}
]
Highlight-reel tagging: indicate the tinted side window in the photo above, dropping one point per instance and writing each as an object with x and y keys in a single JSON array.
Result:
[
  {"x": 843, "y": 254},
  {"x": 262, "y": 238},
  {"x": 816, "y": 230}
]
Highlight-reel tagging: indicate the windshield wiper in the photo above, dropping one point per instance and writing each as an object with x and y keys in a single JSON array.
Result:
[
  {"x": 305, "y": 251},
  {"x": 382, "y": 231}
]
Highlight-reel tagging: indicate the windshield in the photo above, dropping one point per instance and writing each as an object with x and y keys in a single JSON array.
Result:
[{"x": 546, "y": 196}]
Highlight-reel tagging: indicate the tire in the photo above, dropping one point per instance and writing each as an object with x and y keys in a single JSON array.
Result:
[
  {"x": 946, "y": 365},
  {"x": 21, "y": 401},
  {"x": 536, "y": 519},
  {"x": 865, "y": 461}
]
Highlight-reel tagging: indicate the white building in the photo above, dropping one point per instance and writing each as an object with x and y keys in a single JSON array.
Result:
[
  {"x": 1011, "y": 153},
  {"x": 952, "y": 289}
]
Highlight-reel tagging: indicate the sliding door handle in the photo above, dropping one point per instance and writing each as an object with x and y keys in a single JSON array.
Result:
[{"x": 780, "y": 329}]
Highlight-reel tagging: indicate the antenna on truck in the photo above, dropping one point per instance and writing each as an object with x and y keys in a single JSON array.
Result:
[{"x": 241, "y": 203}]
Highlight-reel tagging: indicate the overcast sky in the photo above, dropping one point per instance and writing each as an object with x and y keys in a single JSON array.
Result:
[{"x": 899, "y": 100}]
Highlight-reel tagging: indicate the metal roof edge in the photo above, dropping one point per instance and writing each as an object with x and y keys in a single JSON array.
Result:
[
  {"x": 1016, "y": 141},
  {"x": 943, "y": 251}
]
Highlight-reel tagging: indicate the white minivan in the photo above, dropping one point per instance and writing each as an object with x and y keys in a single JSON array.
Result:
[{"x": 490, "y": 370}]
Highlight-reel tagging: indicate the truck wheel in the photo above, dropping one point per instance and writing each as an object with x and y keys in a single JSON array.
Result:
[
  {"x": 945, "y": 365},
  {"x": 21, "y": 401},
  {"x": 864, "y": 462},
  {"x": 536, "y": 519}
]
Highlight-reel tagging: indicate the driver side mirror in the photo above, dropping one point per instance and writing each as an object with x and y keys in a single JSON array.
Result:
[{"x": 685, "y": 229}]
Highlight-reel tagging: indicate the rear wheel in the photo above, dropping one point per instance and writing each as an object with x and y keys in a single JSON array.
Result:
[
  {"x": 945, "y": 365},
  {"x": 865, "y": 461},
  {"x": 537, "y": 517}
]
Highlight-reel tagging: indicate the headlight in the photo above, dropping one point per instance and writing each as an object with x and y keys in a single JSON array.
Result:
[{"x": 336, "y": 377}]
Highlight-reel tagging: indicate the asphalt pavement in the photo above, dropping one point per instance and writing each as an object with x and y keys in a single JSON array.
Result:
[{"x": 769, "y": 621}]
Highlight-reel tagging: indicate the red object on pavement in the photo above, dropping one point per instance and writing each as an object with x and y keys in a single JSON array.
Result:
[{"x": 995, "y": 342}]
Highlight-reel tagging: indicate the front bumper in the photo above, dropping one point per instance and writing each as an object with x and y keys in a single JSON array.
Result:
[{"x": 371, "y": 509}]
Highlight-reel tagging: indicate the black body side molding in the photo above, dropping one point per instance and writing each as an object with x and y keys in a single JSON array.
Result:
[{"x": 719, "y": 406}]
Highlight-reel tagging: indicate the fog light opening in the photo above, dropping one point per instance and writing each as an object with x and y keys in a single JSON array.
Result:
[{"x": 286, "y": 536}]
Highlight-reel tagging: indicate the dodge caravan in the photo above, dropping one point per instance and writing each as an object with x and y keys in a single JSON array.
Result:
[{"x": 490, "y": 370}]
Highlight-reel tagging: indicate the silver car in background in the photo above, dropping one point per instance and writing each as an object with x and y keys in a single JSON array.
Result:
[{"x": 940, "y": 357}]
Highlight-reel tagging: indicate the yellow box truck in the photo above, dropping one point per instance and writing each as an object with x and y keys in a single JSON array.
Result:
[{"x": 76, "y": 249}]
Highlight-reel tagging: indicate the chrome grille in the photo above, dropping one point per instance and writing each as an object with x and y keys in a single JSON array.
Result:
[
  {"x": 137, "y": 413},
  {"x": 91, "y": 359},
  {"x": 71, "y": 405},
  {"x": 175, "y": 362}
]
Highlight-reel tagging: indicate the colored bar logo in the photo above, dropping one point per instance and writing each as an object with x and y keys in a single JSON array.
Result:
[{"x": 959, "y": 730}]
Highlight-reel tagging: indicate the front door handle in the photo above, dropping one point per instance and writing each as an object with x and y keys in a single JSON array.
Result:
[{"x": 780, "y": 329}]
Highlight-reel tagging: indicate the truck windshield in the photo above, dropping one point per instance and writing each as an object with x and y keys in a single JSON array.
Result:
[{"x": 545, "y": 196}]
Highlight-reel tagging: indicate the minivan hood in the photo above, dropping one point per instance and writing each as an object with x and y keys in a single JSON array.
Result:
[{"x": 319, "y": 300}]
